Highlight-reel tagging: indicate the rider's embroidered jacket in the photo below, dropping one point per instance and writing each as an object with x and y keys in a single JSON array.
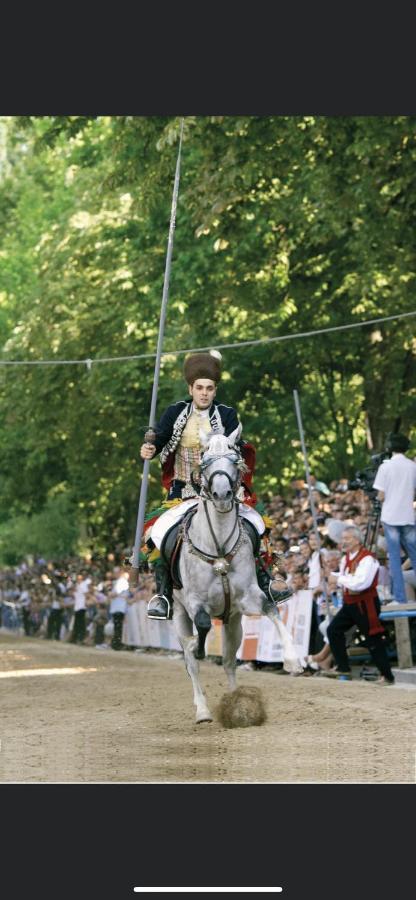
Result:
[{"x": 169, "y": 428}]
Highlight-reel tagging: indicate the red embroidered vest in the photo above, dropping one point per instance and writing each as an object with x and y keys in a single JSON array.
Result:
[
  {"x": 366, "y": 599},
  {"x": 350, "y": 568}
]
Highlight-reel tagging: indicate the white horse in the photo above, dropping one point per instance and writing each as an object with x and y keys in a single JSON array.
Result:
[{"x": 218, "y": 573}]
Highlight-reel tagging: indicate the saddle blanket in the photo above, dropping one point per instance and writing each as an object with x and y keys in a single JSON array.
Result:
[{"x": 168, "y": 518}]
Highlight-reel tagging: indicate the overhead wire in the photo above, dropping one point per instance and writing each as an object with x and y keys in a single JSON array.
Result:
[{"x": 89, "y": 362}]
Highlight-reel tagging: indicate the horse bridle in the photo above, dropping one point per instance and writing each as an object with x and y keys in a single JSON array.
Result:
[
  {"x": 206, "y": 490},
  {"x": 206, "y": 494},
  {"x": 220, "y": 562}
]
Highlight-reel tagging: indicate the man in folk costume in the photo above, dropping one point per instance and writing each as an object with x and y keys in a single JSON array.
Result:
[
  {"x": 180, "y": 436},
  {"x": 358, "y": 578}
]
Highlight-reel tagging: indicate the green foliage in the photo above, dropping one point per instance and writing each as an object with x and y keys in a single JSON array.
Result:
[
  {"x": 52, "y": 533},
  {"x": 284, "y": 225}
]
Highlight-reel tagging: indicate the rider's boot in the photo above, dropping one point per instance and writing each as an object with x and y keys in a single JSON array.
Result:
[
  {"x": 160, "y": 606},
  {"x": 264, "y": 580}
]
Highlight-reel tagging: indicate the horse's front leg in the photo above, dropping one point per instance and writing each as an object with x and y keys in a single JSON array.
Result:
[
  {"x": 232, "y": 636},
  {"x": 188, "y": 641},
  {"x": 291, "y": 662}
]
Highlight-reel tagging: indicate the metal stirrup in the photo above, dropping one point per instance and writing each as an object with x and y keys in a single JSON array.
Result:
[{"x": 157, "y": 597}]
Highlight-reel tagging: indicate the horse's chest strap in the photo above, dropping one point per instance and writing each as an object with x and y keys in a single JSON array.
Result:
[
  {"x": 220, "y": 564},
  {"x": 227, "y": 600}
]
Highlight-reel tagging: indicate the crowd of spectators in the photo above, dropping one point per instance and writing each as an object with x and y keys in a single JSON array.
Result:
[
  {"x": 292, "y": 533},
  {"x": 87, "y": 600},
  {"x": 80, "y": 600}
]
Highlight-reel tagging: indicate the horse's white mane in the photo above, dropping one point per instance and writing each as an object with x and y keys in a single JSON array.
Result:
[{"x": 217, "y": 444}]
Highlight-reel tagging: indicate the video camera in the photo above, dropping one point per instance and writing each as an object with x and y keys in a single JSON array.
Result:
[{"x": 365, "y": 478}]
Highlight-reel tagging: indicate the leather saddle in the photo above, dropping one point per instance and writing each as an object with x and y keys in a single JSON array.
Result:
[{"x": 170, "y": 548}]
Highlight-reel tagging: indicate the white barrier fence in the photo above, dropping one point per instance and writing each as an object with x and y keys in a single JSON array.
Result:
[{"x": 260, "y": 639}]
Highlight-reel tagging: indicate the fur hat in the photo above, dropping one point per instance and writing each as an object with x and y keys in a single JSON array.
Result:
[{"x": 202, "y": 365}]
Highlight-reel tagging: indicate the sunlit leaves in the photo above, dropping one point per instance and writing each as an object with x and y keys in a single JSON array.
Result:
[{"x": 284, "y": 225}]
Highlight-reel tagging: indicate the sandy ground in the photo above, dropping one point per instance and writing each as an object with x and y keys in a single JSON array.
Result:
[{"x": 77, "y": 714}]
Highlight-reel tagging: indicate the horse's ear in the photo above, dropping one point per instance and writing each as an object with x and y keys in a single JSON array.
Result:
[{"x": 235, "y": 435}]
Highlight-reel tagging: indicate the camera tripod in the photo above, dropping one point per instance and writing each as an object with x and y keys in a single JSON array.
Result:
[{"x": 373, "y": 525}]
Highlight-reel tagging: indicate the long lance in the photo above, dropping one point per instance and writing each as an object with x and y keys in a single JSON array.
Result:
[
  {"x": 311, "y": 500},
  {"x": 150, "y": 433}
]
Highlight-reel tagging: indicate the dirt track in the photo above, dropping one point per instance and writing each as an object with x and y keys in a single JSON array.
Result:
[{"x": 130, "y": 717}]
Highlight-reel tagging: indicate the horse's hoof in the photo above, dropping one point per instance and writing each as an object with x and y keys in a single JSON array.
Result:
[{"x": 204, "y": 718}]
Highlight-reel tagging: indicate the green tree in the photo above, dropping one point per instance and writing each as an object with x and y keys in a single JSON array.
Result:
[{"x": 284, "y": 225}]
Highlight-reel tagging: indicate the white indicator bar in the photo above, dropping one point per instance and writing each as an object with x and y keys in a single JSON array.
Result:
[{"x": 208, "y": 890}]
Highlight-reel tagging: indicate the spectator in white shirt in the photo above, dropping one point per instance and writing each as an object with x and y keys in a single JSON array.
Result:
[
  {"x": 396, "y": 485},
  {"x": 55, "y": 615},
  {"x": 80, "y": 593},
  {"x": 118, "y": 607},
  {"x": 314, "y": 564}
]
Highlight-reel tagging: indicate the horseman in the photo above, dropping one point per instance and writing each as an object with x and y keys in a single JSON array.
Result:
[{"x": 180, "y": 435}]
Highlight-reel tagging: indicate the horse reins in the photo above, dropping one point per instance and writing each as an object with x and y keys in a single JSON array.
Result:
[{"x": 220, "y": 562}]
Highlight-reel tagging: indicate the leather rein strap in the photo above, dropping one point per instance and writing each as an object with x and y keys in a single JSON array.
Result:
[{"x": 220, "y": 562}]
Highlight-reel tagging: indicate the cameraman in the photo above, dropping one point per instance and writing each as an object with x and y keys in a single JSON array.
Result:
[{"x": 396, "y": 485}]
